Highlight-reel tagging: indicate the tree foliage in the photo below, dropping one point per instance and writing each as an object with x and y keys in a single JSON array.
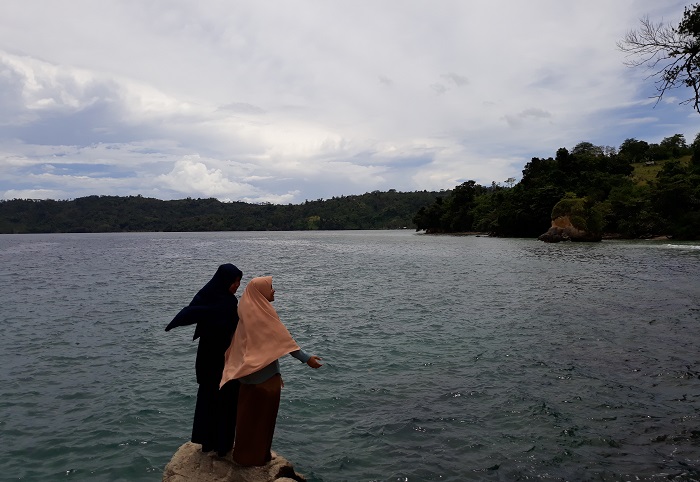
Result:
[
  {"x": 639, "y": 190},
  {"x": 375, "y": 210},
  {"x": 670, "y": 52}
]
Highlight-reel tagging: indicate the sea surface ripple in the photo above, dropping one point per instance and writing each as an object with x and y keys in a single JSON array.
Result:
[{"x": 446, "y": 357}]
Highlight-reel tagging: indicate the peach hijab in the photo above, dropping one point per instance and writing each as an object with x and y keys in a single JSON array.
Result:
[{"x": 260, "y": 337}]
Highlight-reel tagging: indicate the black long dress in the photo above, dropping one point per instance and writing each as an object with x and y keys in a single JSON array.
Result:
[{"x": 214, "y": 310}]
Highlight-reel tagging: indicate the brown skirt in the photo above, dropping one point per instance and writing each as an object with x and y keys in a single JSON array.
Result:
[{"x": 255, "y": 421}]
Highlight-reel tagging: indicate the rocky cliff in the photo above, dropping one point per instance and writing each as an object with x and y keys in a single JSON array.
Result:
[
  {"x": 562, "y": 229},
  {"x": 189, "y": 464},
  {"x": 575, "y": 219}
]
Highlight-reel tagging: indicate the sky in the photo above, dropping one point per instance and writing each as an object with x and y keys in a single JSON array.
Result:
[{"x": 287, "y": 101}]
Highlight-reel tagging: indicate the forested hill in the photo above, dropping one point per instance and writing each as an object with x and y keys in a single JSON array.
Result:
[
  {"x": 375, "y": 210},
  {"x": 638, "y": 190}
]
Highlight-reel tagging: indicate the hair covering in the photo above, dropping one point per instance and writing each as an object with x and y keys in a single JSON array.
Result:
[
  {"x": 260, "y": 338},
  {"x": 214, "y": 303}
]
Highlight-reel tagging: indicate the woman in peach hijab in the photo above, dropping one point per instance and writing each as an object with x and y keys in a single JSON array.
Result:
[{"x": 252, "y": 359}]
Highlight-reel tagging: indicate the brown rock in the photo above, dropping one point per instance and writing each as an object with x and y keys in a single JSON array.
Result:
[
  {"x": 563, "y": 230},
  {"x": 189, "y": 464}
]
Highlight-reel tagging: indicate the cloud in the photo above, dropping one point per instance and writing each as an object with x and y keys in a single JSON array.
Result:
[
  {"x": 33, "y": 194},
  {"x": 191, "y": 175},
  {"x": 241, "y": 101},
  {"x": 438, "y": 88},
  {"x": 456, "y": 79},
  {"x": 242, "y": 108},
  {"x": 386, "y": 81},
  {"x": 521, "y": 118}
]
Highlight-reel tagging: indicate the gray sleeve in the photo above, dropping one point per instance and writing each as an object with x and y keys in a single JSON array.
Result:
[{"x": 300, "y": 355}]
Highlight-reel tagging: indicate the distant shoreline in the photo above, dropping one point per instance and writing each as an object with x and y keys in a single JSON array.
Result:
[
  {"x": 462, "y": 233},
  {"x": 606, "y": 236},
  {"x": 615, "y": 237}
]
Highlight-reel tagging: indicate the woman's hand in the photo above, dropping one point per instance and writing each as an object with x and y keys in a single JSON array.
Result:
[{"x": 314, "y": 362}]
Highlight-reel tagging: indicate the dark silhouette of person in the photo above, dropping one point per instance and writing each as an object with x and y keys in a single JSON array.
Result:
[{"x": 214, "y": 310}]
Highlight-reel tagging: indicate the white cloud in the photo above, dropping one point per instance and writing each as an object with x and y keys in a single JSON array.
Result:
[
  {"x": 242, "y": 101},
  {"x": 191, "y": 174},
  {"x": 527, "y": 116},
  {"x": 33, "y": 194}
]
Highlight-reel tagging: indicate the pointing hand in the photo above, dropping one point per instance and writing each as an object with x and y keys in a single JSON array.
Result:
[{"x": 314, "y": 362}]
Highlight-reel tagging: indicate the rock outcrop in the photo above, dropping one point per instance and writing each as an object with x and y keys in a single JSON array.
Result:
[
  {"x": 189, "y": 464},
  {"x": 575, "y": 219},
  {"x": 563, "y": 230}
]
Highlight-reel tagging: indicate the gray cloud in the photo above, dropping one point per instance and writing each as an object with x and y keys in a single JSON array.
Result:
[
  {"x": 236, "y": 100},
  {"x": 456, "y": 79},
  {"x": 438, "y": 88},
  {"x": 242, "y": 108},
  {"x": 521, "y": 119},
  {"x": 386, "y": 81}
]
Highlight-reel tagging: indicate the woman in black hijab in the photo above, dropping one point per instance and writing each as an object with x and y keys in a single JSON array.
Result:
[{"x": 215, "y": 311}]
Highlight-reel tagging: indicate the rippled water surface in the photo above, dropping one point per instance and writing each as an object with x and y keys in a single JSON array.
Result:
[{"x": 447, "y": 358}]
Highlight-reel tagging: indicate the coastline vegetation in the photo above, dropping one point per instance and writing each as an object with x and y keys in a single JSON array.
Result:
[
  {"x": 374, "y": 210},
  {"x": 640, "y": 190}
]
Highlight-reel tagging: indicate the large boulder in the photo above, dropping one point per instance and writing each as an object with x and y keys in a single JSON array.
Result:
[
  {"x": 575, "y": 219},
  {"x": 562, "y": 229},
  {"x": 189, "y": 464}
]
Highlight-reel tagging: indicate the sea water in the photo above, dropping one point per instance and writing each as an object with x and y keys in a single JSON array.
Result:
[{"x": 446, "y": 358}]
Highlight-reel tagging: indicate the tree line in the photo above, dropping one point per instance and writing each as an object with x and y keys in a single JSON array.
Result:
[
  {"x": 374, "y": 210},
  {"x": 639, "y": 190}
]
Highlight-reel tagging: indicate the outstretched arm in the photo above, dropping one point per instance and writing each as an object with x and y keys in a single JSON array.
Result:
[
  {"x": 312, "y": 361},
  {"x": 215, "y": 314}
]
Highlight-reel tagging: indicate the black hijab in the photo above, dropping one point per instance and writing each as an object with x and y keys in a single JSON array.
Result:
[{"x": 213, "y": 305}]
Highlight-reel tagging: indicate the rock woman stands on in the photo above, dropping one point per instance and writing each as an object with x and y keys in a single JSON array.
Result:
[
  {"x": 214, "y": 310},
  {"x": 259, "y": 341}
]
